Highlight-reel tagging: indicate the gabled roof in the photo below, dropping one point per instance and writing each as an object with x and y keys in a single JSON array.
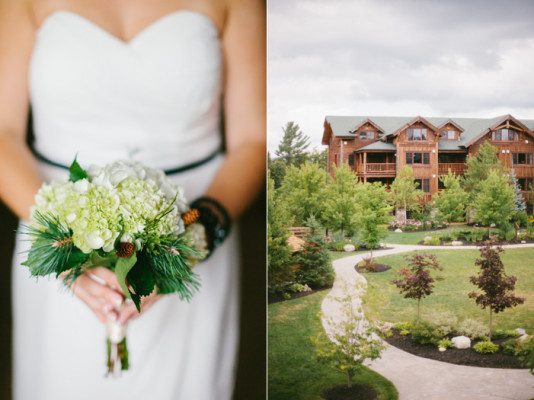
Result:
[
  {"x": 367, "y": 121},
  {"x": 412, "y": 122},
  {"x": 450, "y": 121},
  {"x": 473, "y": 128}
]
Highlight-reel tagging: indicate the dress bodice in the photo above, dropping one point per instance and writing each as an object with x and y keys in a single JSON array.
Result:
[{"x": 155, "y": 98}]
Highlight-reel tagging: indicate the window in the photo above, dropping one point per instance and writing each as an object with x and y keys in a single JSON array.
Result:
[
  {"x": 418, "y": 158},
  {"x": 448, "y": 135},
  {"x": 505, "y": 135},
  {"x": 367, "y": 135},
  {"x": 351, "y": 159},
  {"x": 521, "y": 158},
  {"x": 524, "y": 183},
  {"x": 423, "y": 184},
  {"x": 417, "y": 134}
]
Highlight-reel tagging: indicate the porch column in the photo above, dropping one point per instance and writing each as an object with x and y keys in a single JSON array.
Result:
[{"x": 365, "y": 167}]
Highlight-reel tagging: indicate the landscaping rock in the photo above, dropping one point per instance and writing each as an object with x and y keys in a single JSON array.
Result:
[
  {"x": 461, "y": 342},
  {"x": 398, "y": 230},
  {"x": 523, "y": 241},
  {"x": 442, "y": 349},
  {"x": 427, "y": 238},
  {"x": 521, "y": 331},
  {"x": 456, "y": 243},
  {"x": 386, "y": 326},
  {"x": 349, "y": 247},
  {"x": 306, "y": 288},
  {"x": 524, "y": 337}
]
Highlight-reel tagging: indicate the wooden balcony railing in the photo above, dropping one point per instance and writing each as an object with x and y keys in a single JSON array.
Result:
[
  {"x": 377, "y": 168},
  {"x": 456, "y": 168}
]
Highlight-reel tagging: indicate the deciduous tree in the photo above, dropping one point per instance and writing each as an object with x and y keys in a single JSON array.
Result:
[
  {"x": 415, "y": 282},
  {"x": 495, "y": 200},
  {"x": 406, "y": 194},
  {"x": 452, "y": 202},
  {"x": 496, "y": 287}
]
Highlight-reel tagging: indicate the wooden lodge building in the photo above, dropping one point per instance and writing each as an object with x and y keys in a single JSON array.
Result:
[{"x": 377, "y": 147}]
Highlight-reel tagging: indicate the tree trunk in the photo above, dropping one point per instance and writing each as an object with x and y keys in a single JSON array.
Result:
[
  {"x": 418, "y": 303},
  {"x": 490, "y": 325},
  {"x": 349, "y": 380}
]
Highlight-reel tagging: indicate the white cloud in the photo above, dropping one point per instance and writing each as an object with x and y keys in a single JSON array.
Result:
[{"x": 419, "y": 57}]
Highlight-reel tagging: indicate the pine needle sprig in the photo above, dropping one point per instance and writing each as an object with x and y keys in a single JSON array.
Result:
[
  {"x": 172, "y": 273},
  {"x": 52, "y": 249}
]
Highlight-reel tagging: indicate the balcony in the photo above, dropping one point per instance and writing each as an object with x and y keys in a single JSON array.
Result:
[
  {"x": 377, "y": 169},
  {"x": 456, "y": 168}
]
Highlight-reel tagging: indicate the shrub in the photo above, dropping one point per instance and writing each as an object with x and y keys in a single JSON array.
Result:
[
  {"x": 404, "y": 332},
  {"x": 472, "y": 328},
  {"x": 528, "y": 359},
  {"x": 296, "y": 288},
  {"x": 501, "y": 334},
  {"x": 424, "y": 332},
  {"x": 445, "y": 322},
  {"x": 402, "y": 325},
  {"x": 486, "y": 347},
  {"x": 446, "y": 343},
  {"x": 516, "y": 347},
  {"x": 446, "y": 236}
]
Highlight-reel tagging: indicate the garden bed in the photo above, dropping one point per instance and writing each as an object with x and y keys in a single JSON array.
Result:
[
  {"x": 278, "y": 297},
  {"x": 378, "y": 268},
  {"x": 478, "y": 243},
  {"x": 467, "y": 357},
  {"x": 343, "y": 392}
]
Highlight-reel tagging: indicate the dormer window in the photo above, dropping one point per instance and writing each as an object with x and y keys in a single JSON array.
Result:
[
  {"x": 367, "y": 135},
  {"x": 448, "y": 135},
  {"x": 417, "y": 134},
  {"x": 505, "y": 134}
]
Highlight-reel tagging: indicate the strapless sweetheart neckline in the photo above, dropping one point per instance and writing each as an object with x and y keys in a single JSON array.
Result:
[{"x": 147, "y": 29}]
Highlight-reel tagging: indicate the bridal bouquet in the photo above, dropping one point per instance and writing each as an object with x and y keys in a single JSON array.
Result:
[{"x": 127, "y": 217}]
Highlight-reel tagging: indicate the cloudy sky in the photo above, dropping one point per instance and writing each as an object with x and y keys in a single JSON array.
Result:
[{"x": 453, "y": 58}]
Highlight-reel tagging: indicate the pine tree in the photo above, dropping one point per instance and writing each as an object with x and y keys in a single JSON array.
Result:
[
  {"x": 292, "y": 148},
  {"x": 497, "y": 288}
]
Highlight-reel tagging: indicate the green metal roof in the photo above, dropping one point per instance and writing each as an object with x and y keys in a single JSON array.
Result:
[
  {"x": 472, "y": 127},
  {"x": 380, "y": 145}
]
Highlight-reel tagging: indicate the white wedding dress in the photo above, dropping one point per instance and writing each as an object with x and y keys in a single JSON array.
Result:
[{"x": 155, "y": 99}]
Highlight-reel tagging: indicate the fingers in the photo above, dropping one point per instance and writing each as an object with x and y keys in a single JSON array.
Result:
[
  {"x": 107, "y": 277},
  {"x": 101, "y": 299},
  {"x": 129, "y": 312}
]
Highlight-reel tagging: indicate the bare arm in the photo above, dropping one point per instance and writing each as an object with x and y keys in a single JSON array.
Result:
[
  {"x": 19, "y": 178},
  {"x": 242, "y": 175}
]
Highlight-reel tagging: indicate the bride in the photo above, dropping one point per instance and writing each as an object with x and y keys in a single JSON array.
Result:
[{"x": 148, "y": 80}]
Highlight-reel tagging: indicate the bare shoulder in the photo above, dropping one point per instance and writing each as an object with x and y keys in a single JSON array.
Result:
[{"x": 240, "y": 11}]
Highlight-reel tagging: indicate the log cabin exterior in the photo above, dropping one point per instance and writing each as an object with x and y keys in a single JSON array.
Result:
[{"x": 377, "y": 147}]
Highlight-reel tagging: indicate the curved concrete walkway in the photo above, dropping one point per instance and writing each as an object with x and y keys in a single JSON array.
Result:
[{"x": 420, "y": 378}]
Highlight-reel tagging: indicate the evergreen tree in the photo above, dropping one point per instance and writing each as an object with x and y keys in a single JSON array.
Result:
[
  {"x": 292, "y": 148},
  {"x": 497, "y": 288},
  {"x": 406, "y": 193},
  {"x": 494, "y": 202},
  {"x": 279, "y": 261},
  {"x": 341, "y": 207},
  {"x": 452, "y": 202},
  {"x": 277, "y": 169},
  {"x": 520, "y": 204},
  {"x": 303, "y": 192},
  {"x": 313, "y": 260}
]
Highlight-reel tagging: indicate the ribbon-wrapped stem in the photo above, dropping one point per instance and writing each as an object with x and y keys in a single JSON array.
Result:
[{"x": 117, "y": 348}]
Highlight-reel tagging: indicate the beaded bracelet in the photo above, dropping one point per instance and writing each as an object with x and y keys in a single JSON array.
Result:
[{"x": 215, "y": 219}]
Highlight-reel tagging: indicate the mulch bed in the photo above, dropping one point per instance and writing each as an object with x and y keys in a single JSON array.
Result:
[
  {"x": 378, "y": 268},
  {"x": 455, "y": 356},
  {"x": 356, "y": 392},
  {"x": 467, "y": 243}
]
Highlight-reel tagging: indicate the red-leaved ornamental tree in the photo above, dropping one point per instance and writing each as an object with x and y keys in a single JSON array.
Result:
[
  {"x": 497, "y": 288},
  {"x": 415, "y": 281}
]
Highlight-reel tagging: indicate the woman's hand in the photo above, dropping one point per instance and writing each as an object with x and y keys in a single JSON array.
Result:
[
  {"x": 129, "y": 312},
  {"x": 100, "y": 291}
]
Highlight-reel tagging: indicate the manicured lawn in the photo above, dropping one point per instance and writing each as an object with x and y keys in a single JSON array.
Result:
[
  {"x": 383, "y": 301},
  {"x": 294, "y": 374},
  {"x": 416, "y": 237}
]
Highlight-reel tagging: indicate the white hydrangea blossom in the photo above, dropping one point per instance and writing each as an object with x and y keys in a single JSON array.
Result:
[{"x": 122, "y": 196}]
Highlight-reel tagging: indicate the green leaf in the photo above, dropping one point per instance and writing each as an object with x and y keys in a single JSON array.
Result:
[
  {"x": 124, "y": 265},
  {"x": 140, "y": 276},
  {"x": 76, "y": 172}
]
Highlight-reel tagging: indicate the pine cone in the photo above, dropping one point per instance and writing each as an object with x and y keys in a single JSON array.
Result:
[
  {"x": 190, "y": 217},
  {"x": 125, "y": 249}
]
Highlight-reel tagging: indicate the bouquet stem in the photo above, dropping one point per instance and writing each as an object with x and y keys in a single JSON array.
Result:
[{"x": 117, "y": 348}]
